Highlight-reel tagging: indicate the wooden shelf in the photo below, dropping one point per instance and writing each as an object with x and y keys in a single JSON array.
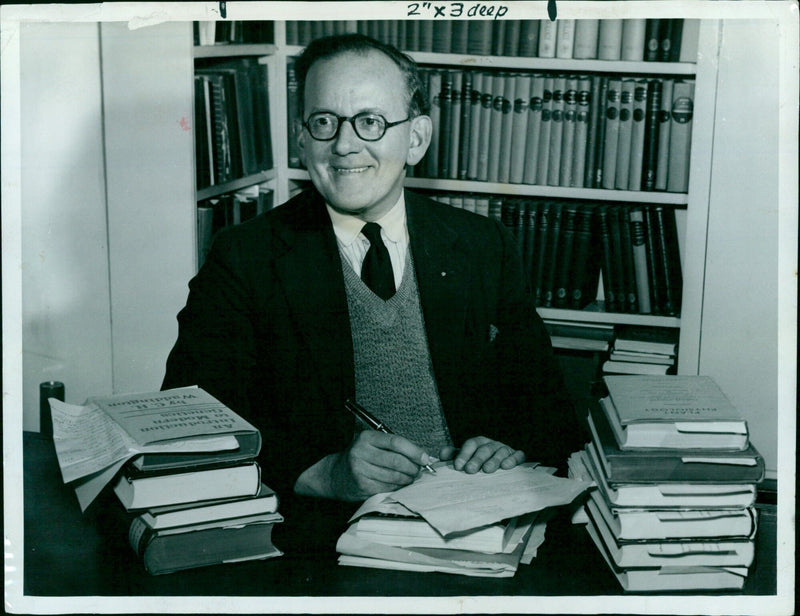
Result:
[
  {"x": 234, "y": 185},
  {"x": 233, "y": 50}
]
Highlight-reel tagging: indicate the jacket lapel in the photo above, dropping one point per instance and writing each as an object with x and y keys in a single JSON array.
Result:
[{"x": 310, "y": 271}]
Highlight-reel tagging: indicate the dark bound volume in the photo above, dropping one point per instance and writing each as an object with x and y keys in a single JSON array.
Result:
[
  {"x": 654, "y": 275},
  {"x": 585, "y": 270},
  {"x": 530, "y": 222},
  {"x": 626, "y": 246},
  {"x": 672, "y": 279},
  {"x": 537, "y": 277},
  {"x": 435, "y": 93},
  {"x": 202, "y": 120},
  {"x": 529, "y": 38},
  {"x": 639, "y": 244},
  {"x": 638, "y": 118},
  {"x": 442, "y": 36},
  {"x": 479, "y": 37},
  {"x": 651, "y": 134},
  {"x": 675, "y": 40},
  {"x": 652, "y": 39},
  {"x": 456, "y": 95},
  {"x": 460, "y": 36},
  {"x": 292, "y": 119},
  {"x": 597, "y": 133},
  {"x": 610, "y": 280},
  {"x": 512, "y": 33},
  {"x": 564, "y": 257},
  {"x": 445, "y": 123},
  {"x": 551, "y": 253},
  {"x": 466, "y": 125}
]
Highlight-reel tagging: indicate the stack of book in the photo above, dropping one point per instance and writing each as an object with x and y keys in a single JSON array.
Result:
[
  {"x": 454, "y": 523},
  {"x": 642, "y": 350},
  {"x": 676, "y": 478},
  {"x": 196, "y": 491}
]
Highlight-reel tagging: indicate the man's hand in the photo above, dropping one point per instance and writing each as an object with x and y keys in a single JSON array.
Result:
[
  {"x": 374, "y": 462},
  {"x": 481, "y": 453}
]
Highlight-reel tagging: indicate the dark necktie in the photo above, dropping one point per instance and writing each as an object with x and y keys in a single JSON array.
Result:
[{"x": 376, "y": 271}]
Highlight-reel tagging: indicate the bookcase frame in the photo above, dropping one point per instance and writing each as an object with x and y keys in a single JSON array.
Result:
[{"x": 693, "y": 205}]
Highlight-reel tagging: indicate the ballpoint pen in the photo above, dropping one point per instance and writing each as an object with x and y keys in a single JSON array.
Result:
[{"x": 368, "y": 418}]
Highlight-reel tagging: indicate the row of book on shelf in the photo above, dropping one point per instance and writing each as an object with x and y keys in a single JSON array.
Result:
[
  {"x": 552, "y": 129},
  {"x": 232, "y": 125},
  {"x": 568, "y": 247},
  {"x": 651, "y": 40},
  {"x": 675, "y": 479}
]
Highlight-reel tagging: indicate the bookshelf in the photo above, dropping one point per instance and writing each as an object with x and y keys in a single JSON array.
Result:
[{"x": 690, "y": 210}]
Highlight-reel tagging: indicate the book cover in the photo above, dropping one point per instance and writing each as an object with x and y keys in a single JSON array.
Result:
[
  {"x": 582, "y": 125},
  {"x": 534, "y": 129},
  {"x": 626, "y": 250},
  {"x": 625, "y": 132},
  {"x": 568, "y": 137},
  {"x": 611, "y": 134},
  {"x": 170, "y": 550},
  {"x": 637, "y": 338},
  {"x": 465, "y": 142},
  {"x": 499, "y": 104},
  {"x": 565, "y": 38},
  {"x": 664, "y": 123},
  {"x": 543, "y": 158},
  {"x": 609, "y": 39},
  {"x": 548, "y": 33},
  {"x": 586, "y": 33},
  {"x": 506, "y": 129},
  {"x": 475, "y": 125},
  {"x": 651, "y": 135},
  {"x": 486, "y": 115},
  {"x": 652, "y": 40},
  {"x": 652, "y": 466},
  {"x": 556, "y": 130},
  {"x": 564, "y": 257},
  {"x": 680, "y": 138},
  {"x": 529, "y": 38},
  {"x": 639, "y": 251},
  {"x": 633, "y": 39},
  {"x": 638, "y": 129},
  {"x": 519, "y": 130}
]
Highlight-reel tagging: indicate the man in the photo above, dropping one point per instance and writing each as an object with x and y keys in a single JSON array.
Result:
[{"x": 282, "y": 326}]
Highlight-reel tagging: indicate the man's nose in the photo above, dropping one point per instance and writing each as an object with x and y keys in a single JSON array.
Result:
[{"x": 347, "y": 141}]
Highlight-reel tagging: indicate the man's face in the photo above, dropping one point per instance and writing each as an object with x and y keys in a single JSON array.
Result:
[{"x": 363, "y": 178}]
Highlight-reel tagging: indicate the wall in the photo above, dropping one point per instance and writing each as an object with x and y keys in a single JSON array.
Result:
[{"x": 739, "y": 333}]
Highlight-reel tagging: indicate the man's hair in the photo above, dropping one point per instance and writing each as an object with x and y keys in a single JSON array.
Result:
[{"x": 330, "y": 46}]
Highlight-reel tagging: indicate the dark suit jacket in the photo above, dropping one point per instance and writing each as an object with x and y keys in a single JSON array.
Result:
[{"x": 266, "y": 330}]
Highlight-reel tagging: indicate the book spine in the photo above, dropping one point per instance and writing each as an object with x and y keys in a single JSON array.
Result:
[
  {"x": 466, "y": 125},
  {"x": 548, "y": 33},
  {"x": 670, "y": 259},
  {"x": 140, "y": 534},
  {"x": 664, "y": 124},
  {"x": 512, "y": 33},
  {"x": 565, "y": 38},
  {"x": 521, "y": 113},
  {"x": 665, "y": 39},
  {"x": 487, "y": 112},
  {"x": 582, "y": 119},
  {"x": 568, "y": 139},
  {"x": 529, "y": 38},
  {"x": 460, "y": 36},
  {"x": 542, "y": 162},
  {"x": 586, "y": 32},
  {"x": 470, "y": 203},
  {"x": 609, "y": 39},
  {"x": 680, "y": 139},
  {"x": 651, "y": 134},
  {"x": 530, "y": 221},
  {"x": 637, "y": 135},
  {"x": 202, "y": 120},
  {"x": 675, "y": 39},
  {"x": 564, "y": 257},
  {"x": 479, "y": 37},
  {"x": 426, "y": 35},
  {"x": 652, "y": 40},
  {"x": 412, "y": 35},
  {"x": 653, "y": 260},
  {"x": 442, "y": 36},
  {"x": 456, "y": 94},
  {"x": 445, "y": 123},
  {"x": 540, "y": 252},
  {"x": 475, "y": 125},
  {"x": 690, "y": 36},
  {"x": 292, "y": 112},
  {"x": 496, "y": 131},
  {"x": 633, "y": 38},
  {"x": 582, "y": 272},
  {"x": 496, "y": 208},
  {"x": 518, "y": 217},
  {"x": 556, "y": 130},
  {"x": 534, "y": 129},
  {"x": 435, "y": 90},
  {"x": 597, "y": 134},
  {"x": 259, "y": 80},
  {"x": 551, "y": 260},
  {"x": 626, "y": 252},
  {"x": 611, "y": 141},
  {"x": 482, "y": 205},
  {"x": 625, "y": 130},
  {"x": 640, "y": 259},
  {"x": 507, "y": 128},
  {"x": 610, "y": 282}
]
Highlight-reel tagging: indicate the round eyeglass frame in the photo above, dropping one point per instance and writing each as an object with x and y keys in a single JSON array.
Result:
[{"x": 352, "y": 120}]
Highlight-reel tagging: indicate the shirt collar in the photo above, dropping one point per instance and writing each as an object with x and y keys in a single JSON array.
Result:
[{"x": 393, "y": 223}]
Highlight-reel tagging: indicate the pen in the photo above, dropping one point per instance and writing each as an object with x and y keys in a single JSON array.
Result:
[{"x": 368, "y": 418}]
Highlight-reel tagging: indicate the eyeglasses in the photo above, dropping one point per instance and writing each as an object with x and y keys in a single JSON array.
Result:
[{"x": 324, "y": 126}]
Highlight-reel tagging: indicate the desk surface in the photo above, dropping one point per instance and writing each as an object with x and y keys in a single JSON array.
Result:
[{"x": 72, "y": 554}]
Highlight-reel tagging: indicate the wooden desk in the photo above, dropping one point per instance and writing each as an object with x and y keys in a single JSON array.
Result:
[{"x": 72, "y": 554}]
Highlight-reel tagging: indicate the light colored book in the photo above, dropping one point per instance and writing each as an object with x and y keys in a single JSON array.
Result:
[
  {"x": 628, "y": 367},
  {"x": 609, "y": 39},
  {"x": 586, "y": 31}
]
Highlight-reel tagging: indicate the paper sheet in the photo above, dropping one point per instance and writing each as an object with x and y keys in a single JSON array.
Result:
[{"x": 453, "y": 501}]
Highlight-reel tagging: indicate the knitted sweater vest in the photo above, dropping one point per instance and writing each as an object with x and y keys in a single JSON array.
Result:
[{"x": 393, "y": 369}]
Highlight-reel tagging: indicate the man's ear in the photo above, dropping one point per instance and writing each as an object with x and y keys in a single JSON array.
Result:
[{"x": 419, "y": 138}]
